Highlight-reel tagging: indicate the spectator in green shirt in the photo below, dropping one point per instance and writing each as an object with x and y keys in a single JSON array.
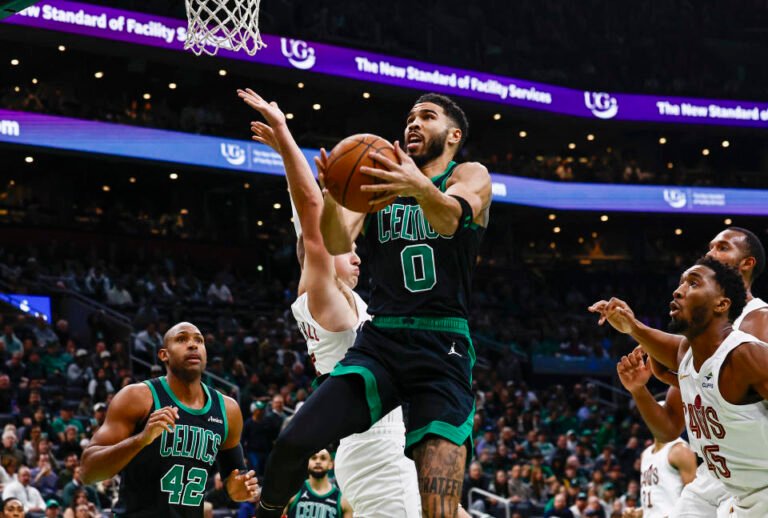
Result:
[{"x": 66, "y": 418}]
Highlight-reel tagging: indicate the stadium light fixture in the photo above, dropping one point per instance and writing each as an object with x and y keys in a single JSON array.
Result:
[
  {"x": 662, "y": 140},
  {"x": 62, "y": 48},
  {"x": 705, "y": 152},
  {"x": 604, "y": 218},
  {"x": 14, "y": 62},
  {"x": 222, "y": 72},
  {"x": 523, "y": 134},
  {"x": 29, "y": 159},
  {"x": 725, "y": 143},
  {"x": 99, "y": 74},
  {"x": 590, "y": 137}
]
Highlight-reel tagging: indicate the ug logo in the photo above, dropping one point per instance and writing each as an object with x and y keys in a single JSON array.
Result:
[
  {"x": 675, "y": 198},
  {"x": 299, "y": 54},
  {"x": 601, "y": 104},
  {"x": 233, "y": 153}
]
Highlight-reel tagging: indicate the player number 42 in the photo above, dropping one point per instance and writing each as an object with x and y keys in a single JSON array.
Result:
[
  {"x": 189, "y": 491},
  {"x": 715, "y": 462}
]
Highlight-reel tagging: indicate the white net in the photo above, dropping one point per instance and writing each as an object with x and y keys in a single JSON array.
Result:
[{"x": 223, "y": 24}]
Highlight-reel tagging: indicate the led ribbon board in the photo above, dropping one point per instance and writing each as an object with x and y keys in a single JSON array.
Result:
[
  {"x": 246, "y": 156},
  {"x": 170, "y": 33},
  {"x": 35, "y": 305}
]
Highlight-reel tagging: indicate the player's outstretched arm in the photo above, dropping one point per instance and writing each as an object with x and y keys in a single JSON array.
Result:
[
  {"x": 114, "y": 444},
  {"x": 305, "y": 193},
  {"x": 665, "y": 422},
  {"x": 241, "y": 485},
  {"x": 684, "y": 461},
  {"x": 662, "y": 346}
]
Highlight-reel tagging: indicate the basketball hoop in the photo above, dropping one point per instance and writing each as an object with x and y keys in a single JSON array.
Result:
[{"x": 223, "y": 24}]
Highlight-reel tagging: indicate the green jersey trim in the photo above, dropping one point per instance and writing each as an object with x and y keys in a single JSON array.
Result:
[
  {"x": 448, "y": 169},
  {"x": 154, "y": 394},
  {"x": 456, "y": 434},
  {"x": 440, "y": 324},
  {"x": 223, "y": 415},
  {"x": 311, "y": 491},
  {"x": 371, "y": 387},
  {"x": 193, "y": 411}
]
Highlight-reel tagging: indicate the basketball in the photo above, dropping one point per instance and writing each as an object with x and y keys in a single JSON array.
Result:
[{"x": 343, "y": 178}]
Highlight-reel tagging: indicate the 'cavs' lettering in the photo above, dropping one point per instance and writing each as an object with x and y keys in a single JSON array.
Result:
[
  {"x": 650, "y": 476},
  {"x": 703, "y": 420}
]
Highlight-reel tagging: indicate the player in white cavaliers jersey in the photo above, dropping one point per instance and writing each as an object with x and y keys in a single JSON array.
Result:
[
  {"x": 371, "y": 467},
  {"x": 723, "y": 377},
  {"x": 706, "y": 496},
  {"x": 663, "y": 476},
  {"x": 666, "y": 467}
]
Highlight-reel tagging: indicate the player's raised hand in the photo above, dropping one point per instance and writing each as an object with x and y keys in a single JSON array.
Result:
[
  {"x": 403, "y": 179},
  {"x": 161, "y": 420},
  {"x": 270, "y": 111},
  {"x": 634, "y": 370},
  {"x": 264, "y": 134},
  {"x": 616, "y": 312},
  {"x": 243, "y": 486}
]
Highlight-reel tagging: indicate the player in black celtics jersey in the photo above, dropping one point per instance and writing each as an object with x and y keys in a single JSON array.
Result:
[
  {"x": 168, "y": 436},
  {"x": 417, "y": 349},
  {"x": 318, "y": 498}
]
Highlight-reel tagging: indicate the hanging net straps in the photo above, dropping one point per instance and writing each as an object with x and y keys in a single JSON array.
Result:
[{"x": 223, "y": 24}]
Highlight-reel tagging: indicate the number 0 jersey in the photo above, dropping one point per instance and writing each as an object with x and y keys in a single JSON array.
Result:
[
  {"x": 414, "y": 270},
  {"x": 730, "y": 438},
  {"x": 169, "y": 477}
]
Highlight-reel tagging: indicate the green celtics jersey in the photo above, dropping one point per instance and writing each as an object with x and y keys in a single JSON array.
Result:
[
  {"x": 414, "y": 270},
  {"x": 169, "y": 477},
  {"x": 308, "y": 504}
]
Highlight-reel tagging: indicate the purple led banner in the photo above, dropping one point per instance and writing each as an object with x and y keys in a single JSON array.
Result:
[
  {"x": 169, "y": 33},
  {"x": 34, "y": 129}
]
